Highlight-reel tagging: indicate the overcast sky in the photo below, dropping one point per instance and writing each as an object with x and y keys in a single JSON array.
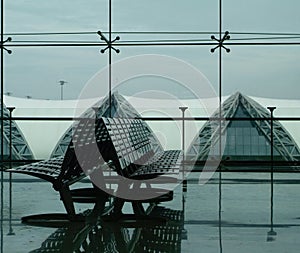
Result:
[{"x": 253, "y": 70}]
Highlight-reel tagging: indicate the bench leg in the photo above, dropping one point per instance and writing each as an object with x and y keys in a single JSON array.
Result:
[
  {"x": 118, "y": 206},
  {"x": 138, "y": 208},
  {"x": 100, "y": 203},
  {"x": 66, "y": 198}
]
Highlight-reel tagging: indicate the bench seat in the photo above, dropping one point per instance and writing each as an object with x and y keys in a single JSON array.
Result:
[
  {"x": 137, "y": 155},
  {"x": 48, "y": 170},
  {"x": 163, "y": 163}
]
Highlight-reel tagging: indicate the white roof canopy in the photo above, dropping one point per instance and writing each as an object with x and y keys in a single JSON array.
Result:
[{"x": 42, "y": 136}]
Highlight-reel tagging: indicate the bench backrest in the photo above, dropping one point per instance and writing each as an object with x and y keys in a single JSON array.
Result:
[
  {"x": 128, "y": 143},
  {"x": 83, "y": 151},
  {"x": 131, "y": 143}
]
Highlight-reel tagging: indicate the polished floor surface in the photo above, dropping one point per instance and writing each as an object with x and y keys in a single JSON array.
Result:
[{"x": 232, "y": 217}]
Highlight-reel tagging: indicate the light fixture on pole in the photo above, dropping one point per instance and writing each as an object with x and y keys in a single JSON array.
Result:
[
  {"x": 184, "y": 180},
  {"x": 271, "y": 233},
  {"x": 10, "y": 174},
  {"x": 2, "y": 49},
  {"x": 183, "y": 109},
  {"x": 62, "y": 83}
]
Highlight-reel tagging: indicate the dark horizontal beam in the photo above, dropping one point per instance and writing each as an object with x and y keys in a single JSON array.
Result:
[
  {"x": 246, "y": 163},
  {"x": 217, "y": 118},
  {"x": 251, "y": 170},
  {"x": 120, "y": 44},
  {"x": 146, "y": 32},
  {"x": 203, "y": 162},
  {"x": 158, "y": 118}
]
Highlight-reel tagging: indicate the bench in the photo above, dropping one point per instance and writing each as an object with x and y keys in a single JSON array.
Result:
[
  {"x": 137, "y": 156},
  {"x": 128, "y": 147},
  {"x": 66, "y": 170}
]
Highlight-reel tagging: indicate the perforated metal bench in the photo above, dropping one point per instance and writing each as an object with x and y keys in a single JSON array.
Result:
[
  {"x": 135, "y": 156},
  {"x": 126, "y": 145},
  {"x": 62, "y": 172}
]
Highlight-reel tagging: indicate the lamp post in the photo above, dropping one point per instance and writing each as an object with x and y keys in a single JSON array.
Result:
[
  {"x": 271, "y": 233},
  {"x": 183, "y": 109},
  {"x": 62, "y": 83},
  {"x": 10, "y": 174},
  {"x": 184, "y": 181}
]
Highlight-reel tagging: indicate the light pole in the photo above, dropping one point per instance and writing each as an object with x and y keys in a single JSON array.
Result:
[
  {"x": 10, "y": 174},
  {"x": 271, "y": 233},
  {"x": 62, "y": 83},
  {"x": 184, "y": 181}
]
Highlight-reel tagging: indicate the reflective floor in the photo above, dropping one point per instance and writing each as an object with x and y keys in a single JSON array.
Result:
[{"x": 232, "y": 218}]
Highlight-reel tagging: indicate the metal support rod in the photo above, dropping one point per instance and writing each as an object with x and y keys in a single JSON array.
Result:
[
  {"x": 183, "y": 109},
  {"x": 109, "y": 45},
  {"x": 271, "y": 233},
  {"x": 220, "y": 122},
  {"x": 10, "y": 174},
  {"x": 220, "y": 131},
  {"x": 220, "y": 46},
  {"x": 184, "y": 180},
  {"x": 2, "y": 125},
  {"x": 109, "y": 60}
]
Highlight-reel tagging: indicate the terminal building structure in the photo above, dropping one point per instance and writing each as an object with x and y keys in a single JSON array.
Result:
[{"x": 245, "y": 125}]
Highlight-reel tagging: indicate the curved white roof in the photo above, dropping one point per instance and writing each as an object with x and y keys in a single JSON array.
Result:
[{"x": 42, "y": 136}]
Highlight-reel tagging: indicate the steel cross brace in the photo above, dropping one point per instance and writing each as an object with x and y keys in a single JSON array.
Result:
[
  {"x": 2, "y": 45},
  {"x": 221, "y": 42},
  {"x": 109, "y": 43}
]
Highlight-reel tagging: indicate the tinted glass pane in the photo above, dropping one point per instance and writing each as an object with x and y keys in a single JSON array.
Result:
[{"x": 247, "y": 150}]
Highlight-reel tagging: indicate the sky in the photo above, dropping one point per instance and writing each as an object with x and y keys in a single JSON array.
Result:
[{"x": 253, "y": 70}]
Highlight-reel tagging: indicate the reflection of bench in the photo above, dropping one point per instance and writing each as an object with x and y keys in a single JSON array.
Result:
[
  {"x": 112, "y": 237},
  {"x": 62, "y": 172},
  {"x": 135, "y": 156},
  {"x": 162, "y": 238}
]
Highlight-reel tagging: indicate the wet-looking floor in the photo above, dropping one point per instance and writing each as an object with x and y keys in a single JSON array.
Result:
[{"x": 234, "y": 216}]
